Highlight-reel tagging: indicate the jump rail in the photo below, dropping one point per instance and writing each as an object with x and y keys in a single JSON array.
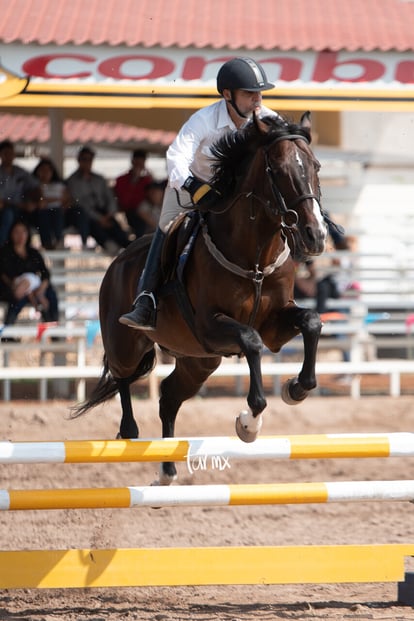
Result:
[
  {"x": 311, "y": 446},
  {"x": 204, "y": 566},
  {"x": 206, "y": 495}
]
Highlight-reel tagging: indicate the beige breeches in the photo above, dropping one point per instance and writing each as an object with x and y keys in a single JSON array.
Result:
[{"x": 171, "y": 207}]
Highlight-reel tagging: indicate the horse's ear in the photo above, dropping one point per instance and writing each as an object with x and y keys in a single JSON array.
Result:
[{"x": 305, "y": 120}]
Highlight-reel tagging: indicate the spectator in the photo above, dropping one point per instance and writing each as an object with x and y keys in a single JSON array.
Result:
[
  {"x": 16, "y": 185},
  {"x": 25, "y": 277},
  {"x": 130, "y": 192},
  {"x": 336, "y": 284},
  {"x": 310, "y": 284},
  {"x": 150, "y": 208},
  {"x": 52, "y": 202},
  {"x": 90, "y": 192}
]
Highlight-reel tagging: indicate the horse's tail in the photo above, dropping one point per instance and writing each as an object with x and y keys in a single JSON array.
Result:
[{"x": 107, "y": 386}]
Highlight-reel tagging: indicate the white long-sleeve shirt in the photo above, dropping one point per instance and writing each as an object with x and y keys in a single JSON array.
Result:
[{"x": 190, "y": 153}]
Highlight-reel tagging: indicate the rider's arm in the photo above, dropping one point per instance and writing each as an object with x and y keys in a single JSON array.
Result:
[{"x": 182, "y": 151}]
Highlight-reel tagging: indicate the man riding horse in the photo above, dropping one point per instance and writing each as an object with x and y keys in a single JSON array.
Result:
[
  {"x": 240, "y": 82},
  {"x": 263, "y": 210}
]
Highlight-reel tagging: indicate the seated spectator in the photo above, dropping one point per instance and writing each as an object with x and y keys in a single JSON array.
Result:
[
  {"x": 90, "y": 192},
  {"x": 52, "y": 201},
  {"x": 150, "y": 208},
  {"x": 309, "y": 283},
  {"x": 16, "y": 185},
  {"x": 77, "y": 218},
  {"x": 25, "y": 277},
  {"x": 130, "y": 189}
]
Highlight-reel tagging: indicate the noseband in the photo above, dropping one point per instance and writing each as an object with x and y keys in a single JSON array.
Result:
[{"x": 287, "y": 212}]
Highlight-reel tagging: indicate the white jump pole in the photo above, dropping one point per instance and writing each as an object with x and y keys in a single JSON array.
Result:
[
  {"x": 186, "y": 449},
  {"x": 207, "y": 495}
]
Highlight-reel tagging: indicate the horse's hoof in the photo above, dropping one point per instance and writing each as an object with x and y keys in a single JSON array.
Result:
[
  {"x": 288, "y": 392},
  {"x": 164, "y": 478},
  {"x": 131, "y": 436},
  {"x": 248, "y": 427}
]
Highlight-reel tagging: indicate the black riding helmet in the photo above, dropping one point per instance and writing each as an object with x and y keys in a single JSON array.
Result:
[{"x": 242, "y": 73}]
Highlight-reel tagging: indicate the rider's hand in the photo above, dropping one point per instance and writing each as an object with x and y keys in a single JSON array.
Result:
[{"x": 202, "y": 194}]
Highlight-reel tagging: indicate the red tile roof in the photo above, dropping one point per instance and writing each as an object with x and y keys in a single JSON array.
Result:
[
  {"x": 266, "y": 24},
  {"x": 35, "y": 129}
]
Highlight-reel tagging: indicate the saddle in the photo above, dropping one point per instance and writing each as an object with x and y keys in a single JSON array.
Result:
[
  {"x": 178, "y": 244},
  {"x": 177, "y": 249}
]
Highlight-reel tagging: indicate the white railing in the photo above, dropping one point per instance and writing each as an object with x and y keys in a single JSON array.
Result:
[{"x": 391, "y": 368}]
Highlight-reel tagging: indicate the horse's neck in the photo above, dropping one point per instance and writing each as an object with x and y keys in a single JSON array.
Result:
[
  {"x": 264, "y": 238},
  {"x": 246, "y": 231}
]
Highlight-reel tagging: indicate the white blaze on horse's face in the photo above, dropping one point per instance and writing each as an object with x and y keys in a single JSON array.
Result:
[{"x": 315, "y": 205}]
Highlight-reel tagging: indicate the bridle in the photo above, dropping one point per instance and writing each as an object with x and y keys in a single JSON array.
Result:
[{"x": 287, "y": 212}]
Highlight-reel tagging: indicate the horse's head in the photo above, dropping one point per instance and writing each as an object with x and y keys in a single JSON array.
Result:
[
  {"x": 271, "y": 162},
  {"x": 293, "y": 192}
]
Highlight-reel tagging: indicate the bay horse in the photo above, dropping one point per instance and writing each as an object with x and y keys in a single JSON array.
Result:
[{"x": 236, "y": 286}]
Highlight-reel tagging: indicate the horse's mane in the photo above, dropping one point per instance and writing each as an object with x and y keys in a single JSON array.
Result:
[{"x": 233, "y": 152}]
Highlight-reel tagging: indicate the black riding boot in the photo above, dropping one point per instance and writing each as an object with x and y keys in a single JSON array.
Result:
[{"x": 144, "y": 312}]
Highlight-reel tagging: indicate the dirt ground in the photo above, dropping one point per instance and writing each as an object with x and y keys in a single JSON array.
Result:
[{"x": 336, "y": 523}]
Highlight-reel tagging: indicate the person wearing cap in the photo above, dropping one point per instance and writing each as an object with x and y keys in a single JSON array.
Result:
[{"x": 240, "y": 82}]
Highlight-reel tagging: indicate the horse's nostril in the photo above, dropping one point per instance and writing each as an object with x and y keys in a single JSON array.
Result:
[
  {"x": 310, "y": 233},
  {"x": 314, "y": 238}
]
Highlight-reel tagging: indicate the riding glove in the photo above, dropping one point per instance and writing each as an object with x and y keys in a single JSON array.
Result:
[{"x": 202, "y": 194}]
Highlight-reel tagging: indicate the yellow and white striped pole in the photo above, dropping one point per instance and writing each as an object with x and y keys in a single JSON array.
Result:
[
  {"x": 182, "y": 449},
  {"x": 207, "y": 495}
]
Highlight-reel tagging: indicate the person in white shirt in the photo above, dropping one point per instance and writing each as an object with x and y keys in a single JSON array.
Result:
[{"x": 240, "y": 82}]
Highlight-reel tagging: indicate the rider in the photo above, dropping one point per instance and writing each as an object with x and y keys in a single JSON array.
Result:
[{"x": 239, "y": 82}]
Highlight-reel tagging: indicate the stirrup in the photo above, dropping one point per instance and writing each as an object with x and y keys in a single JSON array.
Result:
[
  {"x": 147, "y": 294},
  {"x": 144, "y": 313}
]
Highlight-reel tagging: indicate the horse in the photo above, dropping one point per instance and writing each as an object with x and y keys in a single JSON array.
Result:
[{"x": 230, "y": 292}]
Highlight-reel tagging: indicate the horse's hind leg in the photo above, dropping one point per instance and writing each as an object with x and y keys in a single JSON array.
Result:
[
  {"x": 309, "y": 323},
  {"x": 128, "y": 427},
  {"x": 183, "y": 383}
]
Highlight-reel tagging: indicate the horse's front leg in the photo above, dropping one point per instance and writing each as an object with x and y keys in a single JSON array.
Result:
[
  {"x": 234, "y": 336},
  {"x": 308, "y": 322}
]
